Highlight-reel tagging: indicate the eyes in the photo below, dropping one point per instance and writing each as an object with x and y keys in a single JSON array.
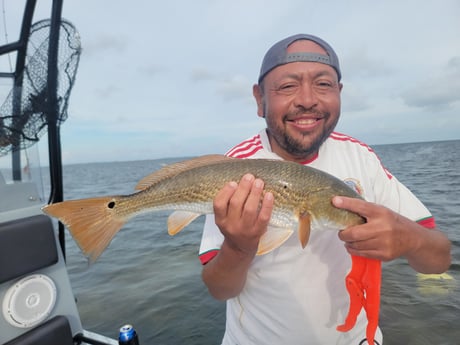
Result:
[
  {"x": 288, "y": 80},
  {"x": 291, "y": 86}
]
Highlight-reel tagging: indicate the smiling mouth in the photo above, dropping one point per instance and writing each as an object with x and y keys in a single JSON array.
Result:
[{"x": 305, "y": 122}]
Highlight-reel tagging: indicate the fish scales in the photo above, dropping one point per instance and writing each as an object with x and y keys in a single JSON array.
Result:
[
  {"x": 301, "y": 195},
  {"x": 293, "y": 186}
]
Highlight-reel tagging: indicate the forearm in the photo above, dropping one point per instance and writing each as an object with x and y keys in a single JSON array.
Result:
[
  {"x": 430, "y": 250},
  {"x": 225, "y": 275},
  {"x": 242, "y": 220}
]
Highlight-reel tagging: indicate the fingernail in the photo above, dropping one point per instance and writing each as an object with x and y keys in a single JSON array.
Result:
[
  {"x": 268, "y": 196},
  {"x": 233, "y": 184},
  {"x": 337, "y": 201},
  {"x": 258, "y": 183},
  {"x": 248, "y": 177}
]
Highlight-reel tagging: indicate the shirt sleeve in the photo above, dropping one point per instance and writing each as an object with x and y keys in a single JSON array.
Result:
[
  {"x": 211, "y": 240},
  {"x": 390, "y": 192}
]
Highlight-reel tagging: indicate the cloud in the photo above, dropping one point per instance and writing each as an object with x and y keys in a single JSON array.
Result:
[
  {"x": 354, "y": 99},
  {"x": 107, "y": 92},
  {"x": 104, "y": 44},
  {"x": 199, "y": 74},
  {"x": 359, "y": 63},
  {"x": 149, "y": 70},
  {"x": 175, "y": 78},
  {"x": 439, "y": 90},
  {"x": 236, "y": 88}
]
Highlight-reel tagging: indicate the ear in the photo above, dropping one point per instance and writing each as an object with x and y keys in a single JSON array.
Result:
[{"x": 257, "y": 93}]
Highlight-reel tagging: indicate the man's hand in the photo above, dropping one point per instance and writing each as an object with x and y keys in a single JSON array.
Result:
[
  {"x": 388, "y": 235},
  {"x": 242, "y": 213},
  {"x": 380, "y": 237}
]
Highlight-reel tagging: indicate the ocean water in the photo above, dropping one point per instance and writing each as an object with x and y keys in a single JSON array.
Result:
[{"x": 152, "y": 280}]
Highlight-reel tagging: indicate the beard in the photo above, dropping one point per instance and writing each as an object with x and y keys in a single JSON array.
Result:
[{"x": 305, "y": 147}]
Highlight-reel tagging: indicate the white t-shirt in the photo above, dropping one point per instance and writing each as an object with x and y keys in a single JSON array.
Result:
[{"x": 298, "y": 296}]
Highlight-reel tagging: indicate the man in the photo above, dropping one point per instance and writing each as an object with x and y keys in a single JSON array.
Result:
[{"x": 294, "y": 295}]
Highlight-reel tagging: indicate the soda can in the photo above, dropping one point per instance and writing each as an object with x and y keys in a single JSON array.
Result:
[{"x": 128, "y": 336}]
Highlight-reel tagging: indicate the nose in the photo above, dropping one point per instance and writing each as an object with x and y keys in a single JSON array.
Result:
[{"x": 306, "y": 97}]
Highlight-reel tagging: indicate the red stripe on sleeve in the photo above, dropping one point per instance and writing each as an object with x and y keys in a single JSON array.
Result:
[
  {"x": 427, "y": 222},
  {"x": 208, "y": 256}
]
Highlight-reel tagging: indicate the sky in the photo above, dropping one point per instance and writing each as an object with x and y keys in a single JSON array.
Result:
[{"x": 174, "y": 78}]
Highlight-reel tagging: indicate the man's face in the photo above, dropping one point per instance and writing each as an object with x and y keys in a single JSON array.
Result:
[{"x": 301, "y": 104}]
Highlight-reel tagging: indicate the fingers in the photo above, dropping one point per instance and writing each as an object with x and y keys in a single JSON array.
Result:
[
  {"x": 242, "y": 213},
  {"x": 266, "y": 209},
  {"x": 359, "y": 206},
  {"x": 256, "y": 205},
  {"x": 359, "y": 240},
  {"x": 379, "y": 237},
  {"x": 222, "y": 199},
  {"x": 245, "y": 200},
  {"x": 355, "y": 234}
]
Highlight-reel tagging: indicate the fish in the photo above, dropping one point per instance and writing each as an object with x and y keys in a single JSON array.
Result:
[{"x": 302, "y": 197}]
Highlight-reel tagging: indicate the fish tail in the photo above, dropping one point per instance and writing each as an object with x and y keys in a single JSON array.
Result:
[{"x": 92, "y": 222}]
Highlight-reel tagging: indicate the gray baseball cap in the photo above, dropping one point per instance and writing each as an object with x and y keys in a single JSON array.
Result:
[{"x": 277, "y": 56}]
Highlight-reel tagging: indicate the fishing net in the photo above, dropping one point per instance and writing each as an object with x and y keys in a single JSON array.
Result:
[{"x": 23, "y": 115}]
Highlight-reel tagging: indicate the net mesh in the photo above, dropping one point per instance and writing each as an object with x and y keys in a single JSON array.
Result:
[{"x": 23, "y": 115}]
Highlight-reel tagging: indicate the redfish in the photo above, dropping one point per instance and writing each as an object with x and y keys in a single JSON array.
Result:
[{"x": 301, "y": 195}]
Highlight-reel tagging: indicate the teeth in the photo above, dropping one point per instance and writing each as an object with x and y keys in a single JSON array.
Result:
[{"x": 306, "y": 121}]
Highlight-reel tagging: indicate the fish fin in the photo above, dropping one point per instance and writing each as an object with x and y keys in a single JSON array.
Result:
[
  {"x": 174, "y": 169},
  {"x": 91, "y": 222},
  {"x": 179, "y": 220},
  {"x": 304, "y": 229},
  {"x": 272, "y": 239}
]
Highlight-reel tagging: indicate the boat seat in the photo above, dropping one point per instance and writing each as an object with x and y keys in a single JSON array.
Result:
[
  {"x": 55, "y": 331},
  {"x": 26, "y": 245}
]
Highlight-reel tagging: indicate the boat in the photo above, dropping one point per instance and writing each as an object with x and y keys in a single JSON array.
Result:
[{"x": 36, "y": 299}]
